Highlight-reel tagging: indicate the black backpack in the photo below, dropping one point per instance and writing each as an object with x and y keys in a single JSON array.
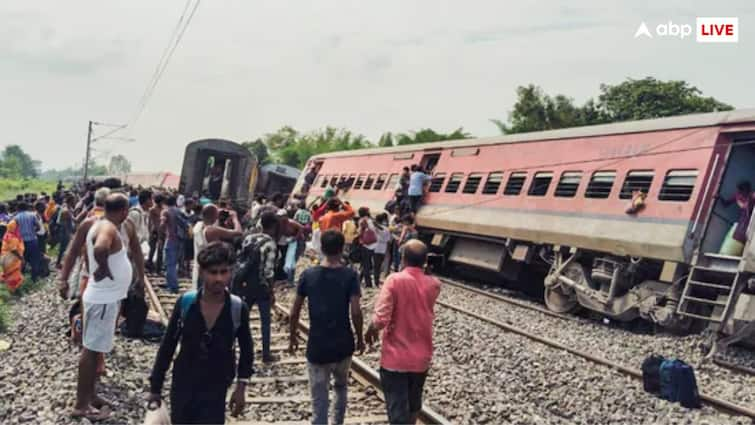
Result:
[
  {"x": 651, "y": 373},
  {"x": 247, "y": 276},
  {"x": 135, "y": 310}
]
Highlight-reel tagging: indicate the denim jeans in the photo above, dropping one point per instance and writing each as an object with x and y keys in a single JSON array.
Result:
[
  {"x": 264, "y": 308},
  {"x": 63, "y": 240},
  {"x": 396, "y": 257},
  {"x": 319, "y": 378},
  {"x": 171, "y": 263},
  {"x": 403, "y": 394},
  {"x": 289, "y": 266},
  {"x": 365, "y": 274},
  {"x": 33, "y": 256}
]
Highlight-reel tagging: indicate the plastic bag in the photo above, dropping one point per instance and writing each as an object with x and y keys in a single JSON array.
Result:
[{"x": 159, "y": 416}]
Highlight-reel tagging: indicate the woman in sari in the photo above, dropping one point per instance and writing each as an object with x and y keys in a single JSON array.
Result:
[{"x": 12, "y": 257}]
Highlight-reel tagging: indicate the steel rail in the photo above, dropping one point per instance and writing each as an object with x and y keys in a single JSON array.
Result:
[
  {"x": 635, "y": 373},
  {"x": 426, "y": 414},
  {"x": 155, "y": 301},
  {"x": 506, "y": 299}
]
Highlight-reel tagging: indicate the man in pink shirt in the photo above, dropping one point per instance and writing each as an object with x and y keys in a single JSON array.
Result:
[{"x": 404, "y": 312}]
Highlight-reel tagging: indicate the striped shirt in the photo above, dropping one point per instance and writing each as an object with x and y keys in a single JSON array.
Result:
[{"x": 27, "y": 225}]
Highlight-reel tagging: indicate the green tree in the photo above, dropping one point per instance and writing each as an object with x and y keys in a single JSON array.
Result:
[
  {"x": 651, "y": 98},
  {"x": 119, "y": 165},
  {"x": 629, "y": 100},
  {"x": 259, "y": 149},
  {"x": 427, "y": 135},
  {"x": 386, "y": 140},
  {"x": 288, "y": 146},
  {"x": 15, "y": 163}
]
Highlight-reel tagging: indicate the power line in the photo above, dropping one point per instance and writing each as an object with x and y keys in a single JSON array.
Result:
[
  {"x": 164, "y": 54},
  {"x": 162, "y": 65}
]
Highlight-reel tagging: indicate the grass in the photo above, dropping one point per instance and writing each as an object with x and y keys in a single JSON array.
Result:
[
  {"x": 4, "y": 309},
  {"x": 9, "y": 188}
]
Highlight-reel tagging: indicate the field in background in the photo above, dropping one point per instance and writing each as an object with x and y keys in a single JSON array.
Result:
[{"x": 9, "y": 188}]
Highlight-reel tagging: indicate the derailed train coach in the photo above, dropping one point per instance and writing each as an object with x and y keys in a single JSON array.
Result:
[
  {"x": 232, "y": 172},
  {"x": 235, "y": 166},
  {"x": 623, "y": 219}
]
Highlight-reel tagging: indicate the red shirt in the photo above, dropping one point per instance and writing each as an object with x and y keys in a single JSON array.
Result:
[{"x": 404, "y": 310}]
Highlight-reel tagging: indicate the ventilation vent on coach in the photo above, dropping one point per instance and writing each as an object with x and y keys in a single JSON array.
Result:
[
  {"x": 678, "y": 185},
  {"x": 437, "y": 182},
  {"x": 515, "y": 184},
  {"x": 600, "y": 185},
  {"x": 636, "y": 180},
  {"x": 568, "y": 184}
]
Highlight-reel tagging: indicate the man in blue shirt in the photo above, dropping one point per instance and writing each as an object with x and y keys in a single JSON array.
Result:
[
  {"x": 417, "y": 181},
  {"x": 28, "y": 226}
]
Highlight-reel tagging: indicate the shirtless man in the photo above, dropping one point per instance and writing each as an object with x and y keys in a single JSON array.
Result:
[
  {"x": 209, "y": 230},
  {"x": 107, "y": 245}
]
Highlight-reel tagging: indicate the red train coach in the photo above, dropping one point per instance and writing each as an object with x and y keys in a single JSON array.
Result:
[{"x": 559, "y": 199}]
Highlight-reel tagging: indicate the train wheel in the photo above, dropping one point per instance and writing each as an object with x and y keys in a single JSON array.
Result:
[{"x": 560, "y": 298}]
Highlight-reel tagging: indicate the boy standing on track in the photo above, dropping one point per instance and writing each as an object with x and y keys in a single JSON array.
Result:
[
  {"x": 332, "y": 291},
  {"x": 404, "y": 311},
  {"x": 207, "y": 323}
]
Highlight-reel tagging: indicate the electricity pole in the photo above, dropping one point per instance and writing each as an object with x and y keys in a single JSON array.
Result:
[
  {"x": 106, "y": 136},
  {"x": 86, "y": 158}
]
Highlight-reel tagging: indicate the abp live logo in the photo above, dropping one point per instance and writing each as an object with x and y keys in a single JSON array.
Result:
[
  {"x": 717, "y": 30},
  {"x": 707, "y": 29}
]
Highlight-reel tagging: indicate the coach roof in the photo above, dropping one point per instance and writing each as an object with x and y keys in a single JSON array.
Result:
[{"x": 682, "y": 121}]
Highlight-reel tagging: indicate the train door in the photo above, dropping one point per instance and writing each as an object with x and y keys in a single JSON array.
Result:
[
  {"x": 429, "y": 161},
  {"x": 727, "y": 215}
]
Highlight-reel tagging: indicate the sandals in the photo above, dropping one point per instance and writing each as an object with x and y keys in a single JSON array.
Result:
[{"x": 92, "y": 413}]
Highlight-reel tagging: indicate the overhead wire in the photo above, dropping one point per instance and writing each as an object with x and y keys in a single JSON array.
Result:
[{"x": 162, "y": 65}]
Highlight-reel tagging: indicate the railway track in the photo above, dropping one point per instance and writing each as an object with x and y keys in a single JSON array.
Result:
[
  {"x": 725, "y": 364},
  {"x": 279, "y": 392},
  {"x": 718, "y": 403}
]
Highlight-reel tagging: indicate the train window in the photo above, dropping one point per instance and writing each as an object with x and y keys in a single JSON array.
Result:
[
  {"x": 540, "y": 183},
  {"x": 334, "y": 181},
  {"x": 454, "y": 182},
  {"x": 360, "y": 181},
  {"x": 636, "y": 180},
  {"x": 392, "y": 182},
  {"x": 493, "y": 183},
  {"x": 600, "y": 184},
  {"x": 678, "y": 185},
  {"x": 473, "y": 182},
  {"x": 380, "y": 181},
  {"x": 324, "y": 181},
  {"x": 568, "y": 184},
  {"x": 437, "y": 182},
  {"x": 515, "y": 184},
  {"x": 368, "y": 183}
]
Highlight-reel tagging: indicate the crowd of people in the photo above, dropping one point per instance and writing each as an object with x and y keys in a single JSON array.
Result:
[{"x": 110, "y": 235}]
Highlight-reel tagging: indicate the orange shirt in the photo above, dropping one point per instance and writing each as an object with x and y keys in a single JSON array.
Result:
[{"x": 334, "y": 220}]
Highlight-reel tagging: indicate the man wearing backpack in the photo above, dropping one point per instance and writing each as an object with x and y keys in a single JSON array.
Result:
[
  {"x": 207, "y": 323},
  {"x": 254, "y": 274}
]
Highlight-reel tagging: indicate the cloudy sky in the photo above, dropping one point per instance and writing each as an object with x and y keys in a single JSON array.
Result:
[{"x": 248, "y": 67}]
